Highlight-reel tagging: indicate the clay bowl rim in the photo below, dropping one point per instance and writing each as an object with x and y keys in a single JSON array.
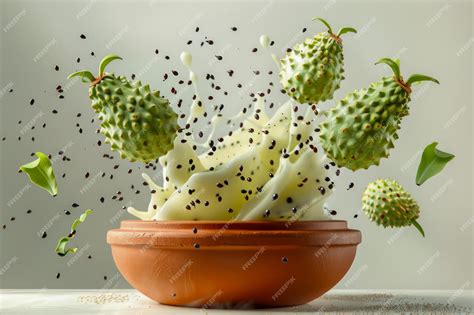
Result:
[{"x": 233, "y": 233}]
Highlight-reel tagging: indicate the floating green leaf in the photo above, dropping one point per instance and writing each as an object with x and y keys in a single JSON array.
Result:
[
  {"x": 432, "y": 162},
  {"x": 41, "y": 173},
  {"x": 61, "y": 249}
]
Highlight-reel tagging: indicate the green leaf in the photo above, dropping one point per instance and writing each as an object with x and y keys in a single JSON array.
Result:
[
  {"x": 419, "y": 228},
  {"x": 83, "y": 74},
  {"x": 432, "y": 162},
  {"x": 419, "y": 78},
  {"x": 345, "y": 30},
  {"x": 107, "y": 59},
  {"x": 61, "y": 249},
  {"x": 41, "y": 173},
  {"x": 325, "y": 23},
  {"x": 394, "y": 64}
]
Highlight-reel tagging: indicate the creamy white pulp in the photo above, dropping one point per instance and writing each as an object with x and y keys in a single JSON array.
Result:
[{"x": 266, "y": 169}]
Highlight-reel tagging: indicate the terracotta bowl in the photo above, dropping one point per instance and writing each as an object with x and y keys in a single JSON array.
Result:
[{"x": 214, "y": 264}]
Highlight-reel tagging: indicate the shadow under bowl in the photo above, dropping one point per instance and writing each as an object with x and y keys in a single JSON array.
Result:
[{"x": 249, "y": 264}]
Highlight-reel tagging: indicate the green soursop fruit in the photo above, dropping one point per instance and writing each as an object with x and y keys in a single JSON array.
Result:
[
  {"x": 386, "y": 203},
  {"x": 313, "y": 70},
  {"x": 361, "y": 129},
  {"x": 135, "y": 120}
]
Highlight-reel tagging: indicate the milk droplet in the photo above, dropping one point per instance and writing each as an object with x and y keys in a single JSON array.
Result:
[
  {"x": 264, "y": 41},
  {"x": 186, "y": 59},
  {"x": 192, "y": 77}
]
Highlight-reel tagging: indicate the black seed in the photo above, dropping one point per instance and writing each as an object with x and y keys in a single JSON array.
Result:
[
  {"x": 83, "y": 36},
  {"x": 32, "y": 101},
  {"x": 75, "y": 205},
  {"x": 195, "y": 230},
  {"x": 284, "y": 260},
  {"x": 58, "y": 275},
  {"x": 28, "y": 211},
  {"x": 197, "y": 246},
  {"x": 275, "y": 197},
  {"x": 234, "y": 28},
  {"x": 44, "y": 235},
  {"x": 333, "y": 212},
  {"x": 56, "y": 68}
]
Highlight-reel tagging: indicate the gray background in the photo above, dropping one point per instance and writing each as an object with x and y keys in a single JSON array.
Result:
[{"x": 434, "y": 38}]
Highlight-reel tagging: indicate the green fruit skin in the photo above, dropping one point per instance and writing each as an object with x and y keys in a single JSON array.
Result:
[
  {"x": 386, "y": 203},
  {"x": 361, "y": 129},
  {"x": 136, "y": 121},
  {"x": 312, "y": 71}
]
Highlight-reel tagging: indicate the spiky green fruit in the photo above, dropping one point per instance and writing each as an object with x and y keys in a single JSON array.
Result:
[
  {"x": 313, "y": 70},
  {"x": 386, "y": 203},
  {"x": 361, "y": 129},
  {"x": 135, "y": 120}
]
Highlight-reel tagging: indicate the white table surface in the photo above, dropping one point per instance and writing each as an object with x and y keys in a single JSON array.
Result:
[{"x": 132, "y": 302}]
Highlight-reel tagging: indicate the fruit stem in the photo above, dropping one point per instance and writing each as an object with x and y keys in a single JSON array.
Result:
[{"x": 395, "y": 66}]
